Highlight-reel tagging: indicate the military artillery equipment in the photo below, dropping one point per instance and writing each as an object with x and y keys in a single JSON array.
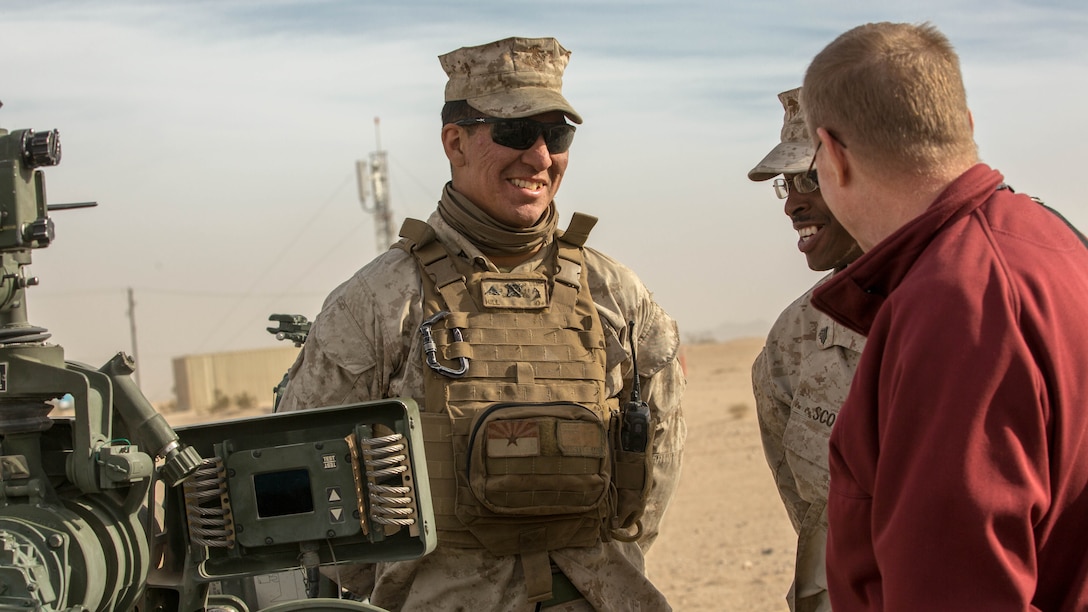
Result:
[
  {"x": 70, "y": 524},
  {"x": 294, "y": 328},
  {"x": 296, "y": 490},
  {"x": 113, "y": 510},
  {"x": 291, "y": 327}
]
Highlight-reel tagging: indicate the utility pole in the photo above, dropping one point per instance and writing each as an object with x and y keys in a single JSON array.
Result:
[
  {"x": 377, "y": 177},
  {"x": 132, "y": 332}
]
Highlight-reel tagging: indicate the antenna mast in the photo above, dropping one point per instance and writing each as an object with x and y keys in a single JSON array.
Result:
[{"x": 376, "y": 176}]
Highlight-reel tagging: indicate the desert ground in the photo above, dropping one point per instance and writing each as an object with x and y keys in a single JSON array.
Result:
[{"x": 726, "y": 543}]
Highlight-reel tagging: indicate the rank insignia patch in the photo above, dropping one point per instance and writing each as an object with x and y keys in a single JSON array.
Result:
[{"x": 514, "y": 292}]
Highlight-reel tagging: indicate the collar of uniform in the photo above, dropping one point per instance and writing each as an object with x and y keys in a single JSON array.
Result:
[
  {"x": 457, "y": 242},
  {"x": 830, "y": 334},
  {"x": 855, "y": 295}
]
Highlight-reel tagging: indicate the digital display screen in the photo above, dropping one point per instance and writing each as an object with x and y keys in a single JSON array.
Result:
[{"x": 283, "y": 493}]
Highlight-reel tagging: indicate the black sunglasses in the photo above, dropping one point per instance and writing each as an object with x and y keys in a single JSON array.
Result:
[{"x": 521, "y": 134}]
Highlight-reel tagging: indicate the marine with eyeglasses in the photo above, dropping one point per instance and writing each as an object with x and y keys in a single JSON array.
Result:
[
  {"x": 517, "y": 341},
  {"x": 802, "y": 376}
]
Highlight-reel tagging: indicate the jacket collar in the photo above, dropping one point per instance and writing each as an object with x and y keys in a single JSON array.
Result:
[{"x": 853, "y": 296}]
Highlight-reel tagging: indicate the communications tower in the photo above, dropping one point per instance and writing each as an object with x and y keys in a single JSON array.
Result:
[{"x": 373, "y": 181}]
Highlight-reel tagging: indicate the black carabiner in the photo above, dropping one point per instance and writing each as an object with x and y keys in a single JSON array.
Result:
[{"x": 430, "y": 349}]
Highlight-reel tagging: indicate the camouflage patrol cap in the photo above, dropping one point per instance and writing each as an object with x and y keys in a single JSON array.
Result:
[
  {"x": 510, "y": 78},
  {"x": 794, "y": 154}
]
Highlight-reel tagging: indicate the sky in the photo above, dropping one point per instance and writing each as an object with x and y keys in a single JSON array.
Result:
[{"x": 219, "y": 139}]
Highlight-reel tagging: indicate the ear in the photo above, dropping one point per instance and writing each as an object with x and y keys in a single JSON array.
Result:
[
  {"x": 453, "y": 143},
  {"x": 837, "y": 165}
]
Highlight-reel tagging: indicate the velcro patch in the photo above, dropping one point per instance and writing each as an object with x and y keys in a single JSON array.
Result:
[
  {"x": 514, "y": 292},
  {"x": 519, "y": 438},
  {"x": 581, "y": 438}
]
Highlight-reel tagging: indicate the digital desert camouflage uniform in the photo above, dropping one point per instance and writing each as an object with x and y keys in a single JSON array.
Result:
[
  {"x": 800, "y": 381},
  {"x": 365, "y": 344}
]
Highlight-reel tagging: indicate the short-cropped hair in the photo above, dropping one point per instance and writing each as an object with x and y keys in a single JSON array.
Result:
[
  {"x": 893, "y": 91},
  {"x": 456, "y": 110}
]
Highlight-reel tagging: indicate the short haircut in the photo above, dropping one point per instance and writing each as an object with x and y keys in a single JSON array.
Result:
[
  {"x": 894, "y": 92},
  {"x": 456, "y": 110}
]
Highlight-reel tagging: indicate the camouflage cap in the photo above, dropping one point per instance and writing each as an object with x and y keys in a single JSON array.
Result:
[
  {"x": 794, "y": 154},
  {"x": 510, "y": 78}
]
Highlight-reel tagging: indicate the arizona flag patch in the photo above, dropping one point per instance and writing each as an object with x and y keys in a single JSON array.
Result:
[{"x": 513, "y": 438}]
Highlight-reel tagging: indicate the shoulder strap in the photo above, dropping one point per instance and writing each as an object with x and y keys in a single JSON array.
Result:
[
  {"x": 578, "y": 230},
  {"x": 417, "y": 233},
  {"x": 568, "y": 275},
  {"x": 1039, "y": 201},
  {"x": 1083, "y": 238},
  {"x": 421, "y": 242}
]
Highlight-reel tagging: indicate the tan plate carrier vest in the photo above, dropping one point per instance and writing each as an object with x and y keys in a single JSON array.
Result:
[{"x": 518, "y": 447}]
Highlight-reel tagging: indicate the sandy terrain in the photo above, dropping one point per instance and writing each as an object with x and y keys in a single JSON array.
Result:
[{"x": 726, "y": 543}]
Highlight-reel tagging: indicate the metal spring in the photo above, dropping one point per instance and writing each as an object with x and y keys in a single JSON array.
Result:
[
  {"x": 384, "y": 458},
  {"x": 20, "y": 335},
  {"x": 207, "y": 506}
]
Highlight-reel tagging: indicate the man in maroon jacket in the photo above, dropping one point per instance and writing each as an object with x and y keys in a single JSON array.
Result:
[{"x": 959, "y": 462}]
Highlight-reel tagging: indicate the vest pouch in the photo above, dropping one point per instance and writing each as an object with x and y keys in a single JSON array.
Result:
[
  {"x": 526, "y": 460},
  {"x": 632, "y": 476}
]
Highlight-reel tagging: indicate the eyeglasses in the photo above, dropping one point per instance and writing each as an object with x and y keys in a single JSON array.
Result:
[
  {"x": 802, "y": 183},
  {"x": 521, "y": 134}
]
